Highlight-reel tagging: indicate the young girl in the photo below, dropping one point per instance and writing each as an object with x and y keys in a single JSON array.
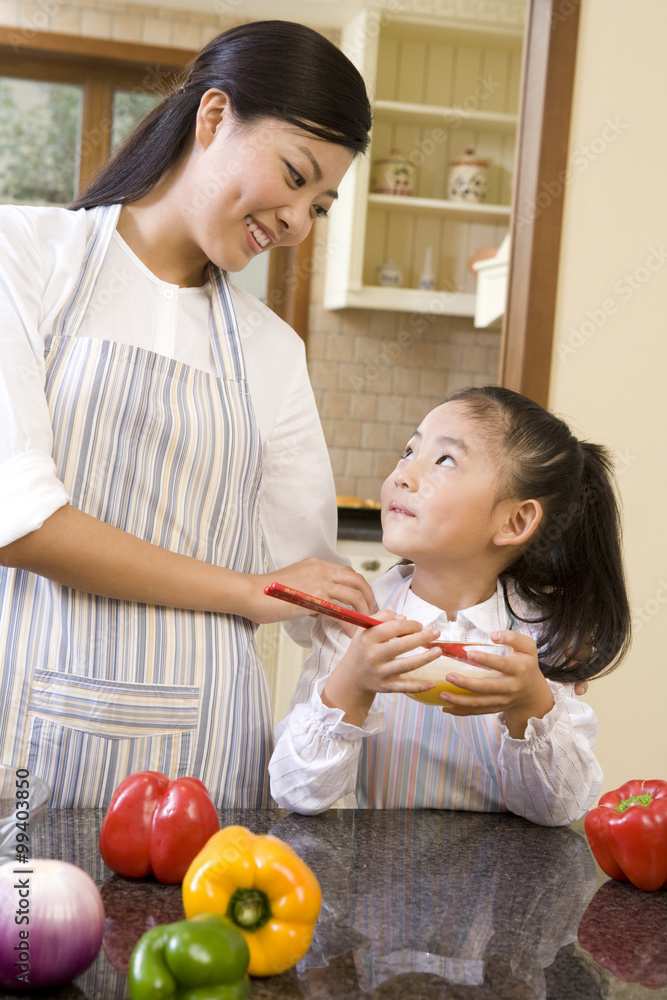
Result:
[{"x": 511, "y": 528}]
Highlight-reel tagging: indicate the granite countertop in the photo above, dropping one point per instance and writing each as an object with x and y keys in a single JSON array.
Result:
[{"x": 419, "y": 905}]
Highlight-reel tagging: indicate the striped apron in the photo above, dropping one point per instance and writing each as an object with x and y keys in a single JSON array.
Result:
[
  {"x": 426, "y": 759},
  {"x": 94, "y": 689}
]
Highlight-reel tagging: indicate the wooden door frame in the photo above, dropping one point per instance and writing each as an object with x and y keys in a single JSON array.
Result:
[{"x": 541, "y": 177}]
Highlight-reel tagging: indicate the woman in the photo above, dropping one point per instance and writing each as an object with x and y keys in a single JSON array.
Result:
[{"x": 140, "y": 398}]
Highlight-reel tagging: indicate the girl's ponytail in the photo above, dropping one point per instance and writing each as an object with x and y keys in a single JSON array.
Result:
[{"x": 572, "y": 569}]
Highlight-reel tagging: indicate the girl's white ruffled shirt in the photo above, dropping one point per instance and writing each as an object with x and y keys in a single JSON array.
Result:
[{"x": 551, "y": 776}]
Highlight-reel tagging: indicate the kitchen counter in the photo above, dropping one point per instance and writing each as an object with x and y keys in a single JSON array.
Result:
[{"x": 418, "y": 905}]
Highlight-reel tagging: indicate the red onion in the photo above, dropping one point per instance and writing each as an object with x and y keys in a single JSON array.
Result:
[{"x": 51, "y": 923}]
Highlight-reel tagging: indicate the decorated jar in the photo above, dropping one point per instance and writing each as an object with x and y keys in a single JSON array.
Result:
[
  {"x": 393, "y": 175},
  {"x": 468, "y": 178}
]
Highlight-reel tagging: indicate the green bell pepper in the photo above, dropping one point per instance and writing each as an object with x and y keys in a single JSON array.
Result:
[{"x": 204, "y": 958}]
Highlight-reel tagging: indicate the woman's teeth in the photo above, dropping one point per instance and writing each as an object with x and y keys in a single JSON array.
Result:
[{"x": 259, "y": 235}]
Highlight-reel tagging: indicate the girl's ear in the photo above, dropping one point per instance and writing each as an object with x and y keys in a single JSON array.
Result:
[
  {"x": 212, "y": 107},
  {"x": 519, "y": 522}
]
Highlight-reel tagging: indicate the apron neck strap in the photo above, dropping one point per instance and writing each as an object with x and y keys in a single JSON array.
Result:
[
  {"x": 224, "y": 331},
  {"x": 70, "y": 317}
]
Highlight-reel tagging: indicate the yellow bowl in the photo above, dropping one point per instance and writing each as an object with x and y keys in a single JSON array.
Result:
[{"x": 437, "y": 671}]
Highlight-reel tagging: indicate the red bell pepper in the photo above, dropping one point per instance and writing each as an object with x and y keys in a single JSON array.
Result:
[
  {"x": 156, "y": 825},
  {"x": 627, "y": 833}
]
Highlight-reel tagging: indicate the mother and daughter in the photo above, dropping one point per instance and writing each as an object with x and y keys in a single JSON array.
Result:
[{"x": 161, "y": 461}]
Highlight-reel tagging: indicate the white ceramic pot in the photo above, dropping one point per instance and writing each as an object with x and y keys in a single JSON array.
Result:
[
  {"x": 468, "y": 178},
  {"x": 392, "y": 175},
  {"x": 390, "y": 274}
]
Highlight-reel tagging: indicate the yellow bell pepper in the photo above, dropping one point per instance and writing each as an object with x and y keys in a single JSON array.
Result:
[{"x": 264, "y": 887}]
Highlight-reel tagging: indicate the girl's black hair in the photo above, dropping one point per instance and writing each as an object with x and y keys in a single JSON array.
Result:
[
  {"x": 571, "y": 570},
  {"x": 269, "y": 69}
]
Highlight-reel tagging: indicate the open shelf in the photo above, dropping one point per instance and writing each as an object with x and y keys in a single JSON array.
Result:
[
  {"x": 464, "y": 210},
  {"x": 410, "y": 300},
  {"x": 441, "y": 85},
  {"x": 448, "y": 117}
]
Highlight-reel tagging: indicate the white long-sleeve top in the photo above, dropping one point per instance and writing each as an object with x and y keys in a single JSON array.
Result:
[
  {"x": 41, "y": 252},
  {"x": 411, "y": 755}
]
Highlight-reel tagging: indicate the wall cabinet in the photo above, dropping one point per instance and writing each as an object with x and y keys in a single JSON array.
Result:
[{"x": 438, "y": 87}]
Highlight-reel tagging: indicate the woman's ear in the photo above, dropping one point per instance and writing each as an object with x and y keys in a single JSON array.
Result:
[
  {"x": 210, "y": 114},
  {"x": 518, "y": 523}
]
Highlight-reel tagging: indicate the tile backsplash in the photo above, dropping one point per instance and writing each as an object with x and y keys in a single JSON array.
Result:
[{"x": 149, "y": 24}]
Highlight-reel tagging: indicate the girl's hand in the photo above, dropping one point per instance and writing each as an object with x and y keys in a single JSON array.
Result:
[
  {"x": 329, "y": 581},
  {"x": 374, "y": 662},
  {"x": 519, "y": 689}
]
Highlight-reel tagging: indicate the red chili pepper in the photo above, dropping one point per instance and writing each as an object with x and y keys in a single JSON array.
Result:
[
  {"x": 627, "y": 833},
  {"x": 156, "y": 825}
]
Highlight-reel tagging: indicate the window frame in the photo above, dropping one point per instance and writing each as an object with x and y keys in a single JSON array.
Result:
[{"x": 99, "y": 67}]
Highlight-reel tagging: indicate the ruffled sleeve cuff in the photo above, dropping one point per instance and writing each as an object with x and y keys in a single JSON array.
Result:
[
  {"x": 551, "y": 776},
  {"x": 30, "y": 492},
  {"x": 329, "y": 721},
  {"x": 567, "y": 710}
]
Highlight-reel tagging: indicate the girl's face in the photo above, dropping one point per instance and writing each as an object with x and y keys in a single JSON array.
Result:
[
  {"x": 439, "y": 504},
  {"x": 258, "y": 185}
]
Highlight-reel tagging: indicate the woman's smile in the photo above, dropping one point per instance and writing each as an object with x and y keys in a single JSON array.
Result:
[{"x": 261, "y": 236}]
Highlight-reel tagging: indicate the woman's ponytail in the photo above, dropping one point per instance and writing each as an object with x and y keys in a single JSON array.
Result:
[{"x": 268, "y": 69}]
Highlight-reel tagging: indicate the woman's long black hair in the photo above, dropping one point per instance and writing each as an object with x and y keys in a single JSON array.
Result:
[
  {"x": 274, "y": 69},
  {"x": 571, "y": 570}
]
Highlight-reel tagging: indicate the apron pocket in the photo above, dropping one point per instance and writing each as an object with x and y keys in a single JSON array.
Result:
[{"x": 86, "y": 734}]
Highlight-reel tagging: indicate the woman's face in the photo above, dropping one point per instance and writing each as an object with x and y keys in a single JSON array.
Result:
[{"x": 254, "y": 186}]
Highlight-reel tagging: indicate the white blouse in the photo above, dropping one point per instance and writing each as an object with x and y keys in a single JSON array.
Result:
[
  {"x": 411, "y": 755},
  {"x": 41, "y": 251}
]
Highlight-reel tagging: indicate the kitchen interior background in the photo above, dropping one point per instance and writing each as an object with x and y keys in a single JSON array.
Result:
[
  {"x": 609, "y": 381},
  {"x": 375, "y": 373}
]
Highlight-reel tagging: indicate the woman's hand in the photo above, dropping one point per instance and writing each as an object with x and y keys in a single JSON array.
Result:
[
  {"x": 81, "y": 552},
  {"x": 374, "y": 662},
  {"x": 518, "y": 689},
  {"x": 328, "y": 581}
]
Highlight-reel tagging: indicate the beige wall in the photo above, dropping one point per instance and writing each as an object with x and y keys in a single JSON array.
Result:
[{"x": 610, "y": 356}]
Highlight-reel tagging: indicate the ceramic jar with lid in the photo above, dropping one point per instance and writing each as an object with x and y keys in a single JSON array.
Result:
[
  {"x": 390, "y": 274},
  {"x": 392, "y": 175},
  {"x": 468, "y": 178}
]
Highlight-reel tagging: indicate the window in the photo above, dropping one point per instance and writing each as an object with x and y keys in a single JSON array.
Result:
[
  {"x": 69, "y": 102},
  {"x": 39, "y": 132},
  {"x": 66, "y": 102}
]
